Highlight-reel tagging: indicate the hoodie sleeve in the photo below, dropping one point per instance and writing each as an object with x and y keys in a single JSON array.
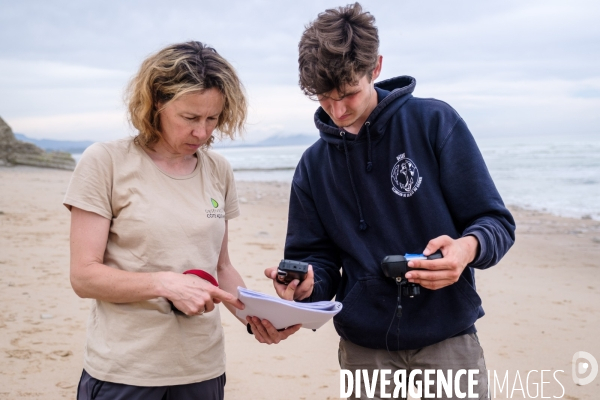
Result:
[
  {"x": 472, "y": 197},
  {"x": 308, "y": 241}
]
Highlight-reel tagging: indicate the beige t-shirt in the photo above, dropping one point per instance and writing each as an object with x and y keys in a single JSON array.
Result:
[{"x": 159, "y": 222}]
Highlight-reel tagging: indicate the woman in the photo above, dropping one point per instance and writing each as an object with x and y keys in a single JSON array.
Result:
[{"x": 147, "y": 209}]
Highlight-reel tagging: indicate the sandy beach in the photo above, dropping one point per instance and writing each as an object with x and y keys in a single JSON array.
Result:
[{"x": 542, "y": 301}]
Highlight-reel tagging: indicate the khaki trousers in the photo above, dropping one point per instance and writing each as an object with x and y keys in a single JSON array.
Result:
[{"x": 458, "y": 353}]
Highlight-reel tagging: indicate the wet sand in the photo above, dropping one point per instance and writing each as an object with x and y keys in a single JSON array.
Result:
[{"x": 542, "y": 301}]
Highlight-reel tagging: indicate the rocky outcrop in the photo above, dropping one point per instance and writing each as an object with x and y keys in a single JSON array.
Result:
[{"x": 14, "y": 152}]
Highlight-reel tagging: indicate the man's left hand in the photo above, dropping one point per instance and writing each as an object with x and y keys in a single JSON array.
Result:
[{"x": 444, "y": 271}]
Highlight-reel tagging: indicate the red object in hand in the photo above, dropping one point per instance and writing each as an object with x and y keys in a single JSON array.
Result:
[
  {"x": 201, "y": 274},
  {"x": 204, "y": 275}
]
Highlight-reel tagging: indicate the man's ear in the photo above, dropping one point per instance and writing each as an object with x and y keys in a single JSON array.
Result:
[{"x": 377, "y": 69}]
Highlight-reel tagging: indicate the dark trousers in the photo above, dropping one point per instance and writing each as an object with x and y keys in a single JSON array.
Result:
[{"x": 93, "y": 389}]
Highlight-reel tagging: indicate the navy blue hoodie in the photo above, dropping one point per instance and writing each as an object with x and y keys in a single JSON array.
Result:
[{"x": 412, "y": 173}]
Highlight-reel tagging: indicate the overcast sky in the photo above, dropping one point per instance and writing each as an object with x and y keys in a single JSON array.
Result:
[{"x": 510, "y": 68}]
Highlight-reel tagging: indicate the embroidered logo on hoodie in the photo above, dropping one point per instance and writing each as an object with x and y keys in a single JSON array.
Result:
[{"x": 405, "y": 177}]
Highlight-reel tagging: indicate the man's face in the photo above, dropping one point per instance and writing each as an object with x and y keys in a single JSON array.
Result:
[{"x": 351, "y": 108}]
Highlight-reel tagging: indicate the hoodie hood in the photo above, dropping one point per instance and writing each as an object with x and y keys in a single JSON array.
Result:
[
  {"x": 391, "y": 95},
  {"x": 388, "y": 91}
]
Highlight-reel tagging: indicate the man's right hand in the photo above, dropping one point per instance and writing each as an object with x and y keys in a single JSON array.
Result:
[{"x": 295, "y": 290}]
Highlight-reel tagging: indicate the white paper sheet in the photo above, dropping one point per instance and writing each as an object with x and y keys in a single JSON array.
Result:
[{"x": 284, "y": 313}]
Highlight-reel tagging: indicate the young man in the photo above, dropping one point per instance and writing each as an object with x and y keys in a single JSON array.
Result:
[{"x": 392, "y": 174}]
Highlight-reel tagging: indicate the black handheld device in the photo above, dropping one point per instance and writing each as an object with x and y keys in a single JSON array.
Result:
[
  {"x": 396, "y": 267},
  {"x": 289, "y": 270}
]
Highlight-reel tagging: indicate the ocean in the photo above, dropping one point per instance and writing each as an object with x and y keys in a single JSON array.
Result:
[
  {"x": 560, "y": 176},
  {"x": 555, "y": 175}
]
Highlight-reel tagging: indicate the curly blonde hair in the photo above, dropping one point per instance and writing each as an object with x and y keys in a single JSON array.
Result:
[{"x": 175, "y": 71}]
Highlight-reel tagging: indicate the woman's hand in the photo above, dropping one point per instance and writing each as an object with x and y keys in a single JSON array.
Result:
[
  {"x": 90, "y": 278},
  {"x": 191, "y": 294},
  {"x": 265, "y": 332}
]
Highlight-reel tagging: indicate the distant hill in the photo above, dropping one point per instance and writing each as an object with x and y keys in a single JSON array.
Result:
[
  {"x": 18, "y": 152},
  {"x": 70, "y": 146},
  {"x": 78, "y": 146},
  {"x": 276, "y": 140},
  {"x": 293, "y": 140}
]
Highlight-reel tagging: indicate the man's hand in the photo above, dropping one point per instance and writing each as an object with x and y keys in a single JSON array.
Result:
[
  {"x": 295, "y": 290},
  {"x": 265, "y": 332},
  {"x": 445, "y": 271}
]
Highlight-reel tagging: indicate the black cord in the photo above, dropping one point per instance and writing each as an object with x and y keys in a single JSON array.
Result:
[{"x": 397, "y": 313}]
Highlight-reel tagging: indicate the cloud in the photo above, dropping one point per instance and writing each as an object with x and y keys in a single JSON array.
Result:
[
  {"x": 43, "y": 74},
  {"x": 101, "y": 126},
  {"x": 48, "y": 99},
  {"x": 520, "y": 107},
  {"x": 279, "y": 110},
  {"x": 508, "y": 66}
]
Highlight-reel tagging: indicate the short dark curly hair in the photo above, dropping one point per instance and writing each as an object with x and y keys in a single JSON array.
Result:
[{"x": 337, "y": 49}]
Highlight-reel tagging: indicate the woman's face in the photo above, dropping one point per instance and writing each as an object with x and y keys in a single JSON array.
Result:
[{"x": 188, "y": 122}]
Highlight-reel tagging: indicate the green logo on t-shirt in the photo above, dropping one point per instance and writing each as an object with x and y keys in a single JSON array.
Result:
[{"x": 214, "y": 212}]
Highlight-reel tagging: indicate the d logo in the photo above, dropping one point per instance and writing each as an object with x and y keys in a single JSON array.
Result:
[{"x": 582, "y": 363}]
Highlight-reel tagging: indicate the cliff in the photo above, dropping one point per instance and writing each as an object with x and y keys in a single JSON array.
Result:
[{"x": 16, "y": 152}]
